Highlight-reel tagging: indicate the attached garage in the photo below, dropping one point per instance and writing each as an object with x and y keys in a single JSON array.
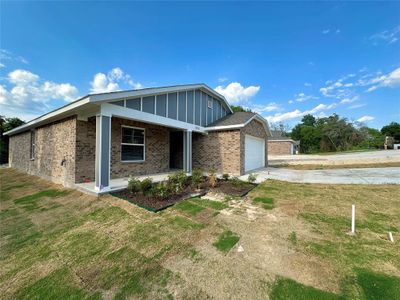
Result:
[
  {"x": 236, "y": 144},
  {"x": 254, "y": 153}
]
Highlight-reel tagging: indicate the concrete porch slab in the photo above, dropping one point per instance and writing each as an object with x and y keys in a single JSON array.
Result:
[{"x": 118, "y": 184}]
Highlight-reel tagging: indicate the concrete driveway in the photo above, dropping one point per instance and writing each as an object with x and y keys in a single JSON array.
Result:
[
  {"x": 331, "y": 176},
  {"x": 383, "y": 156}
]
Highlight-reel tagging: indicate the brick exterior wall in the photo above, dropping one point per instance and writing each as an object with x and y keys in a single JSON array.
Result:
[
  {"x": 85, "y": 150},
  {"x": 254, "y": 128},
  {"x": 65, "y": 150},
  {"x": 279, "y": 147},
  {"x": 218, "y": 150},
  {"x": 54, "y": 155},
  {"x": 156, "y": 150},
  {"x": 224, "y": 151}
]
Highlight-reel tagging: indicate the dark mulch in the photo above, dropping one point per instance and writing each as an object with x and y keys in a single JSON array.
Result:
[
  {"x": 237, "y": 190},
  {"x": 155, "y": 204}
]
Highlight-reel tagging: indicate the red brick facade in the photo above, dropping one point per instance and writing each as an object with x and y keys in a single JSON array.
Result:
[{"x": 65, "y": 150}]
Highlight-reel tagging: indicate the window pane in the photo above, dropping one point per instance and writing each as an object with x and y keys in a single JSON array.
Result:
[
  {"x": 129, "y": 152},
  {"x": 127, "y": 135},
  {"x": 138, "y": 136}
]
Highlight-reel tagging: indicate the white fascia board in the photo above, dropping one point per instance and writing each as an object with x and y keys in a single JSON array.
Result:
[
  {"x": 132, "y": 114},
  {"x": 226, "y": 127},
  {"x": 52, "y": 114},
  {"x": 288, "y": 140}
]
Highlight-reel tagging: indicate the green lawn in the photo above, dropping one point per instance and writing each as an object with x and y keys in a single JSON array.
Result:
[{"x": 61, "y": 244}]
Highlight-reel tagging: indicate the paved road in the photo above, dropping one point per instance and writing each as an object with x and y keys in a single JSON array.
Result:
[
  {"x": 331, "y": 176},
  {"x": 337, "y": 159}
]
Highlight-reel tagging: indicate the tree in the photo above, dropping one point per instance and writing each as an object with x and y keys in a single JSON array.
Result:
[
  {"x": 6, "y": 124},
  {"x": 393, "y": 130},
  {"x": 238, "y": 108},
  {"x": 308, "y": 120}
]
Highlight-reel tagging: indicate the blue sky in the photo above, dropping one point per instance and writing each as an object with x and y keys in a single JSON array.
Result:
[{"x": 282, "y": 60}]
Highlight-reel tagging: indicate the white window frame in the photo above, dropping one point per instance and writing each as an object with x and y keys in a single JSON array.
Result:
[
  {"x": 210, "y": 103},
  {"x": 33, "y": 145},
  {"x": 131, "y": 144}
]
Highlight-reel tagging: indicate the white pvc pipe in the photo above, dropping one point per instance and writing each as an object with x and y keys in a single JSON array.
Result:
[
  {"x": 391, "y": 237},
  {"x": 353, "y": 219}
]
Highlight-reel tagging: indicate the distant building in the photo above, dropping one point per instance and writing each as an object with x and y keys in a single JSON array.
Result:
[{"x": 280, "y": 144}]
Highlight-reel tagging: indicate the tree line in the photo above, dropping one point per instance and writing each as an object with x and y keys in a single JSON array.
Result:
[{"x": 333, "y": 133}]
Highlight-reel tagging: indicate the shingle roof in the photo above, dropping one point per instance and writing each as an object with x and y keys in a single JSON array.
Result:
[
  {"x": 236, "y": 118},
  {"x": 279, "y": 135}
]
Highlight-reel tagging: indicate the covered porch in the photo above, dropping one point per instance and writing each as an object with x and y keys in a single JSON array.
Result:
[{"x": 138, "y": 144}]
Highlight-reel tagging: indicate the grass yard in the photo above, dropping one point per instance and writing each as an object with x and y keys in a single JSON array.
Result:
[{"x": 58, "y": 243}]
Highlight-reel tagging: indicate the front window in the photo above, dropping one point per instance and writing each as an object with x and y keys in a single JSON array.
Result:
[
  {"x": 33, "y": 144},
  {"x": 132, "y": 144},
  {"x": 209, "y": 104}
]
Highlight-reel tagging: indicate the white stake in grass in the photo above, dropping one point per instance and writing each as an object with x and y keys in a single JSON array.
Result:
[
  {"x": 353, "y": 219},
  {"x": 391, "y": 237}
]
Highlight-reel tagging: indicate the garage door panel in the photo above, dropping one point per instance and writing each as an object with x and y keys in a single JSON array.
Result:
[{"x": 254, "y": 153}]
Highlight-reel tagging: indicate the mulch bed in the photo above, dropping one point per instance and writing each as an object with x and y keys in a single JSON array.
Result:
[
  {"x": 155, "y": 204},
  {"x": 230, "y": 189}
]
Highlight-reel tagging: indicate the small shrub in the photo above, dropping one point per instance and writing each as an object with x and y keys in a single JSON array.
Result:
[
  {"x": 145, "y": 185},
  {"x": 236, "y": 182},
  {"x": 160, "y": 190},
  {"x": 225, "y": 176},
  {"x": 252, "y": 178},
  {"x": 177, "y": 181},
  {"x": 293, "y": 238},
  {"x": 212, "y": 178},
  {"x": 133, "y": 184},
  {"x": 197, "y": 177}
]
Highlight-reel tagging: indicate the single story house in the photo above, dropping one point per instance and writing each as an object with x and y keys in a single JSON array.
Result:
[
  {"x": 103, "y": 137},
  {"x": 280, "y": 144}
]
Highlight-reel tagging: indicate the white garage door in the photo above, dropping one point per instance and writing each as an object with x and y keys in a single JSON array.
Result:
[{"x": 254, "y": 155}]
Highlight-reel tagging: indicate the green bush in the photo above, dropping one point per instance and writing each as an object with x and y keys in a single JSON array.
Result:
[
  {"x": 197, "y": 177},
  {"x": 177, "y": 181},
  {"x": 133, "y": 184},
  {"x": 160, "y": 190},
  {"x": 146, "y": 185},
  {"x": 252, "y": 178},
  {"x": 225, "y": 176},
  {"x": 236, "y": 182}
]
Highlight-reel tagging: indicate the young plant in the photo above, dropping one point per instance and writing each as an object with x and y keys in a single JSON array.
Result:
[
  {"x": 177, "y": 181},
  {"x": 225, "y": 176},
  {"x": 146, "y": 185},
  {"x": 212, "y": 178},
  {"x": 161, "y": 191},
  {"x": 252, "y": 178},
  {"x": 133, "y": 184},
  {"x": 197, "y": 178}
]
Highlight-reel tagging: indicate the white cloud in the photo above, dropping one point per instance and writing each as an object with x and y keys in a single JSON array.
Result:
[
  {"x": 8, "y": 55},
  {"x": 222, "y": 79},
  {"x": 387, "y": 36},
  {"x": 281, "y": 117},
  {"x": 235, "y": 93},
  {"x": 26, "y": 94},
  {"x": 272, "y": 106},
  {"x": 326, "y": 31},
  {"x": 301, "y": 97},
  {"x": 307, "y": 84},
  {"x": 364, "y": 119},
  {"x": 391, "y": 80},
  {"x": 349, "y": 100},
  {"x": 337, "y": 31},
  {"x": 2, "y": 65},
  {"x": 111, "y": 81},
  {"x": 357, "y": 105}
]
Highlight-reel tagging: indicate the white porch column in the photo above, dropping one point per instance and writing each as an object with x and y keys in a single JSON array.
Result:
[
  {"x": 187, "y": 151},
  {"x": 103, "y": 152}
]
